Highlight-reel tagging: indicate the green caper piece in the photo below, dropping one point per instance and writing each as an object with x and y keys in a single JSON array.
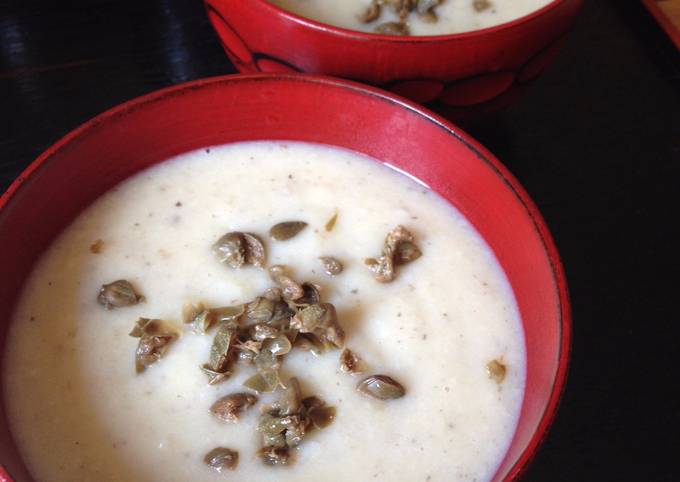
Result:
[
  {"x": 117, "y": 294},
  {"x": 278, "y": 346},
  {"x": 230, "y": 249},
  {"x": 264, "y": 381},
  {"x": 381, "y": 387},
  {"x": 221, "y": 458},
  {"x": 236, "y": 249},
  {"x": 286, "y": 230},
  {"x": 154, "y": 338}
]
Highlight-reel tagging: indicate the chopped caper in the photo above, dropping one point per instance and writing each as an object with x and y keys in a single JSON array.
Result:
[
  {"x": 275, "y": 455},
  {"x": 264, "y": 381},
  {"x": 381, "y": 387},
  {"x": 117, "y": 294},
  {"x": 222, "y": 343},
  {"x": 97, "y": 246},
  {"x": 398, "y": 248},
  {"x": 371, "y": 13},
  {"x": 236, "y": 249},
  {"x": 350, "y": 362},
  {"x": 278, "y": 346},
  {"x": 230, "y": 249},
  {"x": 496, "y": 371},
  {"x": 214, "y": 377},
  {"x": 330, "y": 224},
  {"x": 154, "y": 338},
  {"x": 331, "y": 266},
  {"x": 221, "y": 458},
  {"x": 290, "y": 290},
  {"x": 322, "y": 417},
  {"x": 286, "y": 230},
  {"x": 230, "y": 407},
  {"x": 481, "y": 5},
  {"x": 393, "y": 28}
]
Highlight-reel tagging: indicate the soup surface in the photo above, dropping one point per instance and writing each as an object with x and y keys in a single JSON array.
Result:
[
  {"x": 80, "y": 412},
  {"x": 453, "y": 16}
]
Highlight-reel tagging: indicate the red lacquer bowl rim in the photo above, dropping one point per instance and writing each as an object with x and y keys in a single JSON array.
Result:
[
  {"x": 417, "y": 39},
  {"x": 477, "y": 149}
]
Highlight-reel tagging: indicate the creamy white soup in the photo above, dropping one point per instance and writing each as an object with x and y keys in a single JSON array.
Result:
[
  {"x": 446, "y": 329},
  {"x": 435, "y": 17}
]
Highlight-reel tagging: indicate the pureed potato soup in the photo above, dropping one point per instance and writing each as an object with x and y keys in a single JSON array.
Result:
[
  {"x": 412, "y": 17},
  {"x": 266, "y": 312}
]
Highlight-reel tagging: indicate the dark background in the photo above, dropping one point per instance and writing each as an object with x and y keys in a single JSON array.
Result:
[{"x": 596, "y": 143}]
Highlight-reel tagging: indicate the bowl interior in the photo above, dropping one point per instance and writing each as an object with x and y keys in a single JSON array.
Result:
[{"x": 135, "y": 135}]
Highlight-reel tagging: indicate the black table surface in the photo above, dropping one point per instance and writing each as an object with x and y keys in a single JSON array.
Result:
[{"x": 596, "y": 143}]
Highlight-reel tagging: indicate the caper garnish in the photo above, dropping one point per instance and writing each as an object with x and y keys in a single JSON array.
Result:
[
  {"x": 230, "y": 407},
  {"x": 371, "y": 13},
  {"x": 286, "y": 230},
  {"x": 481, "y": 5},
  {"x": 154, "y": 338},
  {"x": 331, "y": 266},
  {"x": 118, "y": 293},
  {"x": 221, "y": 458},
  {"x": 236, "y": 249},
  {"x": 275, "y": 455},
  {"x": 496, "y": 371},
  {"x": 264, "y": 381},
  {"x": 330, "y": 224},
  {"x": 393, "y": 28},
  {"x": 349, "y": 361},
  {"x": 381, "y": 387}
]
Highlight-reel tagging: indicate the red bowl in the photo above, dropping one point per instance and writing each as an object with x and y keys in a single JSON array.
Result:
[
  {"x": 133, "y": 136},
  {"x": 463, "y": 76}
]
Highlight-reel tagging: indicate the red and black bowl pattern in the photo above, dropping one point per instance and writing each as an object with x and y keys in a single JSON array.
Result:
[{"x": 462, "y": 76}]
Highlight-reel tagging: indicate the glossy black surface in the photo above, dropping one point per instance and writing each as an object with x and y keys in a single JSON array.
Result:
[{"x": 596, "y": 142}]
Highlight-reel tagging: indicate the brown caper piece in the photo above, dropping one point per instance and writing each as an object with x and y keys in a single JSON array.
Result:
[
  {"x": 154, "y": 338},
  {"x": 97, "y": 246},
  {"x": 322, "y": 417},
  {"x": 496, "y": 371},
  {"x": 330, "y": 224},
  {"x": 286, "y": 230},
  {"x": 371, "y": 13},
  {"x": 425, "y": 6},
  {"x": 118, "y": 293},
  {"x": 381, "y": 387},
  {"x": 398, "y": 248},
  {"x": 275, "y": 455},
  {"x": 221, "y": 458},
  {"x": 481, "y": 5},
  {"x": 350, "y": 362},
  {"x": 331, "y": 266},
  {"x": 393, "y": 28},
  {"x": 290, "y": 290},
  {"x": 406, "y": 251},
  {"x": 230, "y": 407}
]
